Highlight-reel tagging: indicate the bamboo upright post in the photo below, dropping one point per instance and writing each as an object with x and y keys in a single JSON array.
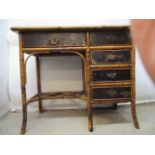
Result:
[
  {"x": 133, "y": 92},
  {"x": 23, "y": 86},
  {"x": 89, "y": 100},
  {"x": 39, "y": 83}
]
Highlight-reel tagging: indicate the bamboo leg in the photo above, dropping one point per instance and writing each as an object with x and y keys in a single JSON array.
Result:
[
  {"x": 39, "y": 84},
  {"x": 89, "y": 109},
  {"x": 87, "y": 79},
  {"x": 87, "y": 92},
  {"x": 90, "y": 119},
  {"x": 89, "y": 104},
  {"x": 23, "y": 92},
  {"x": 133, "y": 92},
  {"x": 134, "y": 116},
  {"x": 24, "y": 121},
  {"x": 115, "y": 106}
]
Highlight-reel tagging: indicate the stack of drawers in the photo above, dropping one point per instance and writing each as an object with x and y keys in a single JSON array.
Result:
[{"x": 111, "y": 69}]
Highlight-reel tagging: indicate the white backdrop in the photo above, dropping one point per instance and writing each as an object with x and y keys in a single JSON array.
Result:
[
  {"x": 63, "y": 73},
  {"x": 4, "y": 69}
]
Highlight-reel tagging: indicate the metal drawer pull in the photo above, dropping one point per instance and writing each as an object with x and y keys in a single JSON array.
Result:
[
  {"x": 112, "y": 93},
  {"x": 112, "y": 57},
  {"x": 55, "y": 40},
  {"x": 125, "y": 93},
  {"x": 94, "y": 62},
  {"x": 111, "y": 75}
]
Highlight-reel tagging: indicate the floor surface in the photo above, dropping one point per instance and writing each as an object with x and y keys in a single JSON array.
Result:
[{"x": 69, "y": 122}]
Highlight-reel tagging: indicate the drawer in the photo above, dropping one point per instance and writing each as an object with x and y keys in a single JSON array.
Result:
[
  {"x": 111, "y": 75},
  {"x": 51, "y": 39},
  {"x": 110, "y": 36},
  {"x": 111, "y": 93},
  {"x": 110, "y": 57}
]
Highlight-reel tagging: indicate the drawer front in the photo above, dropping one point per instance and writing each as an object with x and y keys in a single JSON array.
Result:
[
  {"x": 110, "y": 36},
  {"x": 112, "y": 93},
  {"x": 110, "y": 57},
  {"x": 51, "y": 39},
  {"x": 111, "y": 75}
]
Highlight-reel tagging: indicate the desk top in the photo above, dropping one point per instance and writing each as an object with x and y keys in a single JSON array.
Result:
[{"x": 24, "y": 29}]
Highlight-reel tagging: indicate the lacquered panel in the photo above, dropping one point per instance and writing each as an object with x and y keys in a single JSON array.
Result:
[
  {"x": 53, "y": 39},
  {"x": 111, "y": 93},
  {"x": 110, "y": 36},
  {"x": 111, "y": 75},
  {"x": 111, "y": 57}
]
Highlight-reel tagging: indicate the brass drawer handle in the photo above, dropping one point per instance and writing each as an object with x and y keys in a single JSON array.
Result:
[
  {"x": 94, "y": 62},
  {"x": 55, "y": 40},
  {"x": 125, "y": 93},
  {"x": 111, "y": 75},
  {"x": 112, "y": 57},
  {"x": 111, "y": 93}
]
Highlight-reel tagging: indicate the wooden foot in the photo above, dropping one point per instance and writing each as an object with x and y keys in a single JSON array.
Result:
[
  {"x": 24, "y": 120},
  {"x": 134, "y": 115},
  {"x": 40, "y": 107},
  {"x": 90, "y": 122},
  {"x": 90, "y": 128},
  {"x": 115, "y": 106}
]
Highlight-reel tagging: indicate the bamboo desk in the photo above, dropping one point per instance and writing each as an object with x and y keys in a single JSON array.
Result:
[{"x": 108, "y": 64}]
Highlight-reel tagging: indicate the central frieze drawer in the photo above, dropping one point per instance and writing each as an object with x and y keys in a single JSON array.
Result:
[
  {"x": 110, "y": 36},
  {"x": 110, "y": 57},
  {"x": 53, "y": 39},
  {"x": 111, "y": 93},
  {"x": 100, "y": 75}
]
